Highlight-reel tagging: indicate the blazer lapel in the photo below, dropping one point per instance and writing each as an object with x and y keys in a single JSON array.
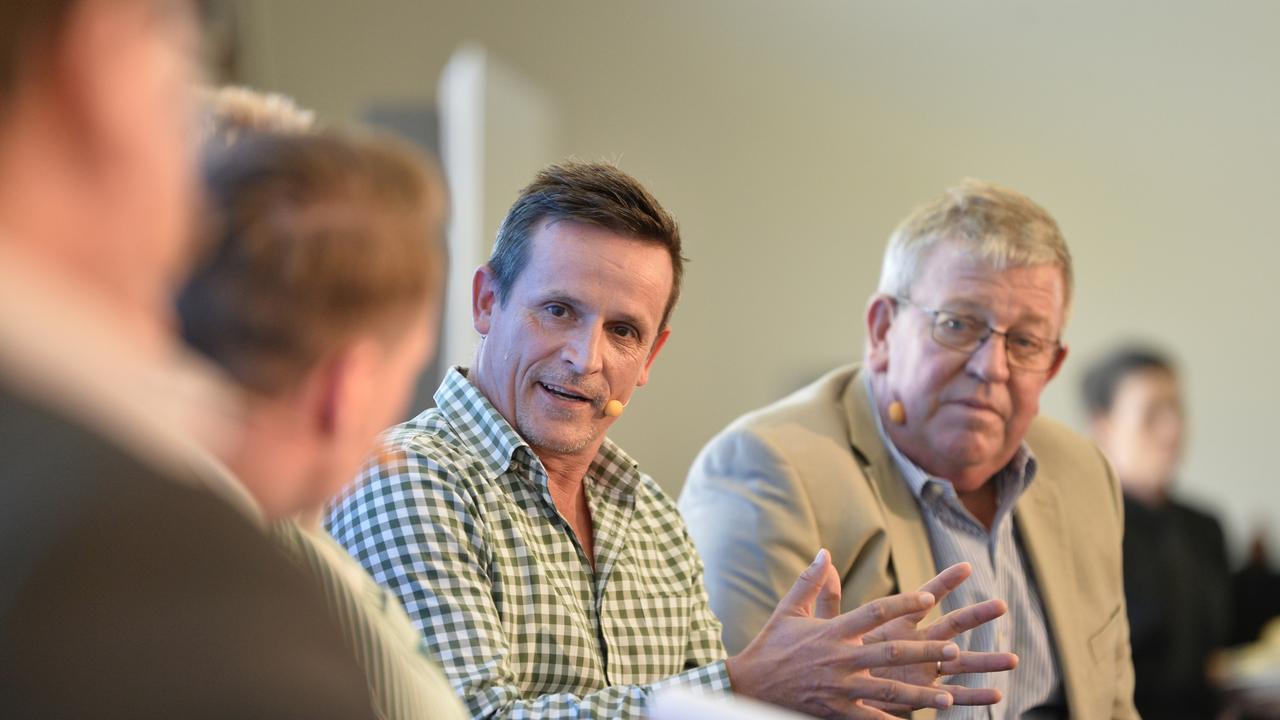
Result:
[
  {"x": 1044, "y": 531},
  {"x": 909, "y": 546}
]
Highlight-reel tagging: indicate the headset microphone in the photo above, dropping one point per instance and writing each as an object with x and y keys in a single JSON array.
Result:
[{"x": 897, "y": 413}]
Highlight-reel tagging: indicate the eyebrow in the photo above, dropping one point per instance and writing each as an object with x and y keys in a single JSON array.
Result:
[{"x": 1038, "y": 322}]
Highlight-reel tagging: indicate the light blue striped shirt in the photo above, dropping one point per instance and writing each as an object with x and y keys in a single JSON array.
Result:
[{"x": 1000, "y": 570}]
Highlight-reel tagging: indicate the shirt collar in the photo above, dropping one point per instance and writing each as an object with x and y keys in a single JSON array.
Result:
[
  {"x": 1011, "y": 481},
  {"x": 477, "y": 422},
  {"x": 492, "y": 439}
]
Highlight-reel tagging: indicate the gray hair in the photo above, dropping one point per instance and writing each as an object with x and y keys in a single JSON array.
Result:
[
  {"x": 1004, "y": 228},
  {"x": 232, "y": 112}
]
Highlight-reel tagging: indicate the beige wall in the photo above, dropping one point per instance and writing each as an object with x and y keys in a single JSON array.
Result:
[{"x": 789, "y": 137}]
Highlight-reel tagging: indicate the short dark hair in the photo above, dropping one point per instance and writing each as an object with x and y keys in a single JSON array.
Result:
[
  {"x": 316, "y": 237},
  {"x": 26, "y": 27},
  {"x": 1104, "y": 376},
  {"x": 593, "y": 193}
]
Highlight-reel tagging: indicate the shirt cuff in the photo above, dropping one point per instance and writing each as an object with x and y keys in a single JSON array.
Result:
[{"x": 712, "y": 679}]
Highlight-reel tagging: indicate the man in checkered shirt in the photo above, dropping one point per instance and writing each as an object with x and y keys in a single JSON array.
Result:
[{"x": 549, "y": 575}]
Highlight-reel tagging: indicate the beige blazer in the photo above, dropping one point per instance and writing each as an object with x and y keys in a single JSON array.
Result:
[{"x": 810, "y": 471}]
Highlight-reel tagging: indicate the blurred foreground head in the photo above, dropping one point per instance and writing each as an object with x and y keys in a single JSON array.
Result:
[
  {"x": 128, "y": 587},
  {"x": 96, "y": 146},
  {"x": 319, "y": 292}
]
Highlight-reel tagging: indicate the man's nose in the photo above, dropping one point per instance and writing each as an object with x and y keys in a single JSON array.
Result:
[
  {"x": 582, "y": 349},
  {"x": 990, "y": 361}
]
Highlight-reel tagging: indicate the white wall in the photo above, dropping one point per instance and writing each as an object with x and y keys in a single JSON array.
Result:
[
  {"x": 789, "y": 138},
  {"x": 495, "y": 125}
]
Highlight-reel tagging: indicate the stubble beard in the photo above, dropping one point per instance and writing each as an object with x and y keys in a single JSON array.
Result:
[{"x": 528, "y": 425}]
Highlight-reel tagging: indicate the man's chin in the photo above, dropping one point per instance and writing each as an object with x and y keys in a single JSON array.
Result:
[
  {"x": 969, "y": 449},
  {"x": 556, "y": 441}
]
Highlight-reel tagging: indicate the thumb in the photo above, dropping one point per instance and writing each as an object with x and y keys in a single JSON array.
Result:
[
  {"x": 800, "y": 598},
  {"x": 829, "y": 594}
]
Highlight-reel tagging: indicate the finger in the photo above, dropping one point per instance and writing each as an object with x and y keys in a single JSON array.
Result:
[
  {"x": 880, "y": 611},
  {"x": 973, "y": 696},
  {"x": 901, "y": 628},
  {"x": 941, "y": 586},
  {"x": 828, "y": 605},
  {"x": 980, "y": 662},
  {"x": 893, "y": 709},
  {"x": 893, "y": 693},
  {"x": 965, "y": 619},
  {"x": 871, "y": 711},
  {"x": 944, "y": 582},
  {"x": 799, "y": 599},
  {"x": 893, "y": 653}
]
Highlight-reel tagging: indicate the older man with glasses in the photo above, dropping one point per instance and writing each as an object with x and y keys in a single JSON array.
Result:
[{"x": 929, "y": 453}]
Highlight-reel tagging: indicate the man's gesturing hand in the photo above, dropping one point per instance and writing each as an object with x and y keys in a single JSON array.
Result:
[
  {"x": 907, "y": 627},
  {"x": 811, "y": 659}
]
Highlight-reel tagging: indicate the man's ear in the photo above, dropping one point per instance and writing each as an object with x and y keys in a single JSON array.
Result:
[
  {"x": 653, "y": 354},
  {"x": 342, "y": 385},
  {"x": 484, "y": 298},
  {"x": 1057, "y": 364},
  {"x": 880, "y": 314}
]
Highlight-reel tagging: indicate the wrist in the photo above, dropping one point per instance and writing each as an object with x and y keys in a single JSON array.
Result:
[
  {"x": 739, "y": 670},
  {"x": 731, "y": 669}
]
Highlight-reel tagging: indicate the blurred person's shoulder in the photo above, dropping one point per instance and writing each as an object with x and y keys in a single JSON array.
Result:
[
  {"x": 59, "y": 349},
  {"x": 1199, "y": 523},
  {"x": 1193, "y": 513},
  {"x": 182, "y": 585}
]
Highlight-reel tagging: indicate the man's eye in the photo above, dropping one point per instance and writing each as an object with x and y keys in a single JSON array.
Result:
[
  {"x": 1028, "y": 343},
  {"x": 958, "y": 324},
  {"x": 557, "y": 310},
  {"x": 624, "y": 331}
]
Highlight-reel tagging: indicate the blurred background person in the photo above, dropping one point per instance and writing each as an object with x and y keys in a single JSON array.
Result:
[
  {"x": 319, "y": 293},
  {"x": 134, "y": 583},
  {"x": 1176, "y": 572}
]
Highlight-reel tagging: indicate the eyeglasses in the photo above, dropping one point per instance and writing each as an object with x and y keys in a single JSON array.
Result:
[{"x": 966, "y": 334}]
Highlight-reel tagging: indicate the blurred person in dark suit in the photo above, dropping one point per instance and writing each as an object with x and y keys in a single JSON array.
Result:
[
  {"x": 1176, "y": 573},
  {"x": 134, "y": 582}
]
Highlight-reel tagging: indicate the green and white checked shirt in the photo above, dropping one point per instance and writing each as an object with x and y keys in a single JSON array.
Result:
[{"x": 455, "y": 517}]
